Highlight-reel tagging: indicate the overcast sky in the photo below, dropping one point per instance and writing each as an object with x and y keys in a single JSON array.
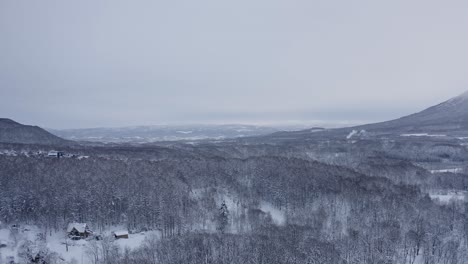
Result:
[{"x": 75, "y": 64}]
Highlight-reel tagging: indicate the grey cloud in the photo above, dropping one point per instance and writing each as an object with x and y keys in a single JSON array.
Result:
[{"x": 114, "y": 63}]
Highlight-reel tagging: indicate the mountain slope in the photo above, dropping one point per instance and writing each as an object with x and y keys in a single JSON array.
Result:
[
  {"x": 448, "y": 117},
  {"x": 13, "y": 132}
]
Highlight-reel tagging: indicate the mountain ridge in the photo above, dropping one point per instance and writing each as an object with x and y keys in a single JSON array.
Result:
[
  {"x": 447, "y": 118},
  {"x": 14, "y": 132}
]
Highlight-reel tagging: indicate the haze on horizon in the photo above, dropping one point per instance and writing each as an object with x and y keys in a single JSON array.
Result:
[{"x": 90, "y": 63}]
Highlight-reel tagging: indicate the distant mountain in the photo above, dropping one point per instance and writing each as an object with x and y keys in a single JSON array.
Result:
[
  {"x": 14, "y": 132},
  {"x": 448, "y": 117},
  {"x": 147, "y": 134}
]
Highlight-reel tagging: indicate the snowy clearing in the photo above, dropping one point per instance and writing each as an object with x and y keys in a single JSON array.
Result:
[
  {"x": 277, "y": 215},
  {"x": 447, "y": 197},
  {"x": 57, "y": 242},
  {"x": 453, "y": 170},
  {"x": 422, "y": 135}
]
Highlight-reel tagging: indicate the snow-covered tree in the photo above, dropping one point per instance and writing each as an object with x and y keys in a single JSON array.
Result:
[{"x": 223, "y": 218}]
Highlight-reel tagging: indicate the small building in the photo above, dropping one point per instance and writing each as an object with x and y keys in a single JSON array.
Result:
[
  {"x": 78, "y": 230},
  {"x": 121, "y": 234},
  {"x": 55, "y": 154}
]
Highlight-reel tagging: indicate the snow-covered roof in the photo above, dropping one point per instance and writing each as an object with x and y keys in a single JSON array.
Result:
[
  {"x": 80, "y": 227},
  {"x": 121, "y": 233}
]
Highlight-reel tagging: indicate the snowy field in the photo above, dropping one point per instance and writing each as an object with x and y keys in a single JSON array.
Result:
[
  {"x": 453, "y": 170},
  {"x": 448, "y": 196},
  {"x": 69, "y": 251},
  {"x": 422, "y": 135}
]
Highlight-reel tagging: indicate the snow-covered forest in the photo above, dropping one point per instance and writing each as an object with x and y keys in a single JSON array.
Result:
[
  {"x": 233, "y": 132},
  {"x": 234, "y": 203}
]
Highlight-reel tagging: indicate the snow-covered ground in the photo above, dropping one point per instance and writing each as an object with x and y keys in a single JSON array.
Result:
[
  {"x": 453, "y": 170},
  {"x": 422, "y": 135},
  {"x": 234, "y": 206},
  {"x": 37, "y": 154},
  {"x": 57, "y": 242},
  {"x": 356, "y": 133},
  {"x": 277, "y": 215},
  {"x": 13, "y": 239},
  {"x": 447, "y": 197}
]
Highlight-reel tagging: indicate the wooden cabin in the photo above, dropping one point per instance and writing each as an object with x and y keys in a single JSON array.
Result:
[
  {"x": 78, "y": 231},
  {"x": 121, "y": 234}
]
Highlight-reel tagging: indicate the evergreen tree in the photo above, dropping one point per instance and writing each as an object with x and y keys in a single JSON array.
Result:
[{"x": 223, "y": 218}]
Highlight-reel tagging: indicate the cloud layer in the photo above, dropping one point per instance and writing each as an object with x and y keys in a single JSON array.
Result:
[{"x": 115, "y": 63}]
